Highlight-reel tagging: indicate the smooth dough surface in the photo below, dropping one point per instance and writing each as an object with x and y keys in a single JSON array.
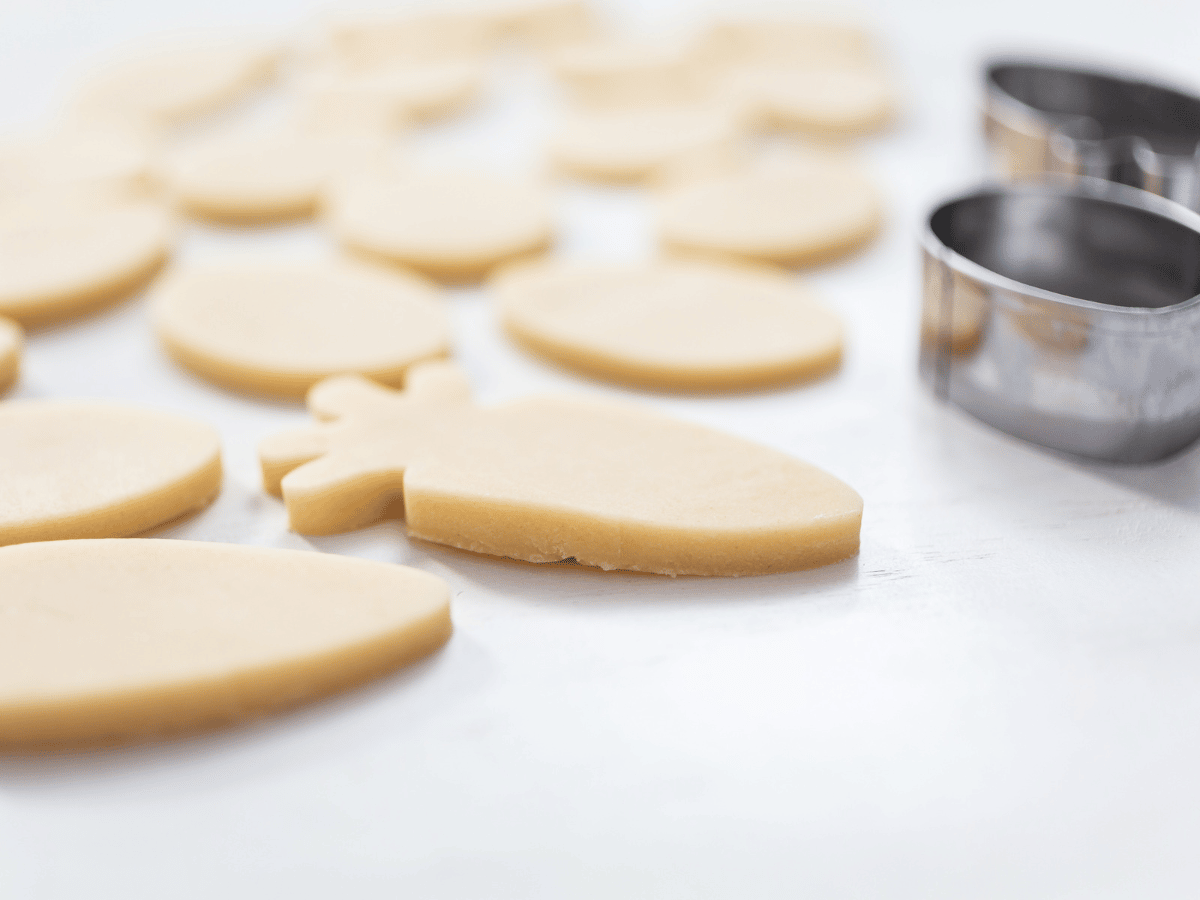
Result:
[
  {"x": 87, "y": 161},
  {"x": 832, "y": 100},
  {"x": 675, "y": 325},
  {"x": 265, "y": 177},
  {"x": 631, "y": 145},
  {"x": 11, "y": 342},
  {"x": 550, "y": 479},
  {"x": 610, "y": 74},
  {"x": 340, "y": 98},
  {"x": 813, "y": 208},
  {"x": 280, "y": 328},
  {"x": 448, "y": 224},
  {"x": 111, "y": 641},
  {"x": 170, "y": 85},
  {"x": 66, "y": 259},
  {"x": 92, "y": 470},
  {"x": 384, "y": 40},
  {"x": 787, "y": 42}
]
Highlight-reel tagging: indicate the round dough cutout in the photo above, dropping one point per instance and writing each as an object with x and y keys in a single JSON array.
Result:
[
  {"x": 66, "y": 259},
  {"x": 637, "y": 144},
  {"x": 93, "y": 470},
  {"x": 809, "y": 210},
  {"x": 675, "y": 325},
  {"x": 277, "y": 329},
  {"x": 826, "y": 100},
  {"x": 448, "y": 224}
]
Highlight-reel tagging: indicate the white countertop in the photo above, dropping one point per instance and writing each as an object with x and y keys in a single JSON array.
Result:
[{"x": 1000, "y": 697}]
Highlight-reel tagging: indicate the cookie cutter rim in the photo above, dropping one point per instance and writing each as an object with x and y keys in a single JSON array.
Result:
[
  {"x": 1063, "y": 143},
  {"x": 1129, "y": 438}
]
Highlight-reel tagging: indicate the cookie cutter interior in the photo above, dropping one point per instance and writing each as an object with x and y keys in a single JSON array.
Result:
[
  {"x": 1043, "y": 117},
  {"x": 1067, "y": 315}
]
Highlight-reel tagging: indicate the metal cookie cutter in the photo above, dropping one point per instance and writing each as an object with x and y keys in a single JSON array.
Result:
[
  {"x": 1067, "y": 315},
  {"x": 1043, "y": 117}
]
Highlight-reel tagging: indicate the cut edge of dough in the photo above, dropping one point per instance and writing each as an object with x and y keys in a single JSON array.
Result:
[
  {"x": 10, "y": 360},
  {"x": 663, "y": 376},
  {"x": 205, "y": 704}
]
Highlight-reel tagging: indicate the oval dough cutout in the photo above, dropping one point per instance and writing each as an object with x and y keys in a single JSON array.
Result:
[
  {"x": 106, "y": 642},
  {"x": 11, "y": 343},
  {"x": 674, "y": 325},
  {"x": 636, "y": 144},
  {"x": 811, "y": 209},
  {"x": 169, "y": 85},
  {"x": 91, "y": 470},
  {"x": 69, "y": 259},
  {"x": 448, "y": 224},
  {"x": 280, "y": 328},
  {"x": 72, "y": 161},
  {"x": 337, "y": 99},
  {"x": 827, "y": 100}
]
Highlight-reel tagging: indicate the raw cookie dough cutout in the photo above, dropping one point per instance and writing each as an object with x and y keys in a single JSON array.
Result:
[
  {"x": 634, "y": 145},
  {"x": 265, "y": 178},
  {"x": 617, "y": 75},
  {"x": 337, "y": 98},
  {"x": 787, "y": 42},
  {"x": 11, "y": 343},
  {"x": 92, "y": 470},
  {"x": 673, "y": 325},
  {"x": 60, "y": 260},
  {"x": 833, "y": 100},
  {"x": 449, "y": 224},
  {"x": 545, "y": 24},
  {"x": 808, "y": 209},
  {"x": 280, "y": 328},
  {"x": 549, "y": 479},
  {"x": 72, "y": 161},
  {"x": 170, "y": 85},
  {"x": 386, "y": 40},
  {"x": 108, "y": 642}
]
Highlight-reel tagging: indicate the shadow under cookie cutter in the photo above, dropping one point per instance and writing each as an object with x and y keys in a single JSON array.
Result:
[
  {"x": 1067, "y": 314},
  {"x": 1043, "y": 117}
]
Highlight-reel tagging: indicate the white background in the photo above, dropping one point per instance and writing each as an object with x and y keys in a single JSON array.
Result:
[{"x": 1000, "y": 697}]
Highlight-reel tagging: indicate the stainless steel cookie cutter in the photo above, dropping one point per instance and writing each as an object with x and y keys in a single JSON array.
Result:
[
  {"x": 1067, "y": 314},
  {"x": 1046, "y": 117}
]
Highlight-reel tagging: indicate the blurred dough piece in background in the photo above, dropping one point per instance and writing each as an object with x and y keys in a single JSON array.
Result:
[
  {"x": 11, "y": 344},
  {"x": 171, "y": 84},
  {"x": 278, "y": 328},
  {"x": 544, "y": 25},
  {"x": 60, "y": 259},
  {"x": 635, "y": 145},
  {"x": 802, "y": 209},
  {"x": 629, "y": 74},
  {"x": 382, "y": 40},
  {"x": 76, "y": 161},
  {"x": 826, "y": 101},
  {"x": 336, "y": 97},
  {"x": 454, "y": 224},
  {"x": 675, "y": 325},
  {"x": 267, "y": 177}
]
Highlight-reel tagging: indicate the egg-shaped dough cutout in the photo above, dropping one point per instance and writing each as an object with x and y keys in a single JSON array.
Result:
[
  {"x": 673, "y": 325},
  {"x": 97, "y": 470},
  {"x": 66, "y": 259},
  {"x": 810, "y": 209},
  {"x": 278, "y": 328},
  {"x": 113, "y": 641}
]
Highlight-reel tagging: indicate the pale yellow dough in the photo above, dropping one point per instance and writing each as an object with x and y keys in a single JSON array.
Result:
[
  {"x": 338, "y": 98},
  {"x": 11, "y": 342},
  {"x": 261, "y": 178},
  {"x": 786, "y": 42},
  {"x": 615, "y": 75},
  {"x": 65, "y": 259},
  {"x": 383, "y": 40},
  {"x": 445, "y": 223},
  {"x": 809, "y": 209},
  {"x": 76, "y": 161},
  {"x": 551, "y": 479},
  {"x": 825, "y": 100},
  {"x": 678, "y": 325},
  {"x": 91, "y": 470},
  {"x": 280, "y": 328},
  {"x": 544, "y": 24},
  {"x": 108, "y": 642},
  {"x": 633, "y": 145},
  {"x": 172, "y": 84}
]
